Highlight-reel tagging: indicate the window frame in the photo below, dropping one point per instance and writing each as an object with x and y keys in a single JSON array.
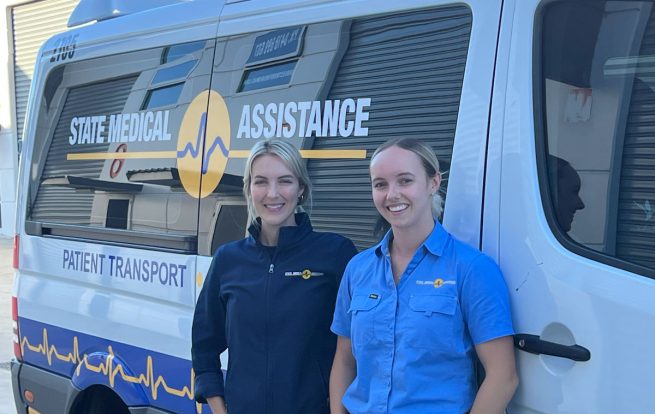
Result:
[
  {"x": 187, "y": 244},
  {"x": 541, "y": 152}
]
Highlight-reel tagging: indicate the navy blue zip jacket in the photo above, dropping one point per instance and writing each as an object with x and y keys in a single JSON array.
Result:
[{"x": 272, "y": 307}]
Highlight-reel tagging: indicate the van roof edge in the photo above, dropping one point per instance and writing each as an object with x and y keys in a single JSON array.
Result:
[{"x": 88, "y": 11}]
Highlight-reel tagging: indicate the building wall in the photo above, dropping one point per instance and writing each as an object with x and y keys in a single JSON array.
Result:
[{"x": 9, "y": 130}]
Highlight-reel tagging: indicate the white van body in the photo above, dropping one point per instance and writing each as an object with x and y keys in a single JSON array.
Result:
[{"x": 124, "y": 195}]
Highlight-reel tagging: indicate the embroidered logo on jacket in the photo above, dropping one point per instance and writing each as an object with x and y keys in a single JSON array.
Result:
[{"x": 305, "y": 274}]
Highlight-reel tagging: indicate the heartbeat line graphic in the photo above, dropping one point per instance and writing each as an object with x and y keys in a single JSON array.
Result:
[
  {"x": 111, "y": 370},
  {"x": 189, "y": 148}
]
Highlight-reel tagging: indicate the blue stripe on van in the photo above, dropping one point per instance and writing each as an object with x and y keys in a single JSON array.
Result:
[{"x": 139, "y": 376}]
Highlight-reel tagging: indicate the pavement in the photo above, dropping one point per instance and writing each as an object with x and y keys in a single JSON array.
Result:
[{"x": 6, "y": 335}]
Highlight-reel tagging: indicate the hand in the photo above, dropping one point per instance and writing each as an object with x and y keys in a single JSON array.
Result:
[{"x": 217, "y": 405}]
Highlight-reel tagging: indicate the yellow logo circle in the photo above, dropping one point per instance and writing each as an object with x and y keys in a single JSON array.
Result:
[
  {"x": 203, "y": 144},
  {"x": 306, "y": 274},
  {"x": 438, "y": 282}
]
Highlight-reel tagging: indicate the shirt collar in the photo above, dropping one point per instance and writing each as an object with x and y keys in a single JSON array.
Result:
[{"x": 435, "y": 242}]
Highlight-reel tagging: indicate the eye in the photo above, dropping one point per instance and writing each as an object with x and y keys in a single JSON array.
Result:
[
  {"x": 405, "y": 181},
  {"x": 259, "y": 182},
  {"x": 379, "y": 185}
]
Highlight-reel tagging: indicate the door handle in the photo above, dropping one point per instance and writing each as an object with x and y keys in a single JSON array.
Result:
[{"x": 535, "y": 345}]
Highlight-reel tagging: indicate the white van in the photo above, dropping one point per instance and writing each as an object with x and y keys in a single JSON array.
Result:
[{"x": 542, "y": 113}]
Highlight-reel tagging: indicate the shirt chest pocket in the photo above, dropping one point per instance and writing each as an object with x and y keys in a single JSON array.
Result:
[
  {"x": 363, "y": 318},
  {"x": 434, "y": 321}
]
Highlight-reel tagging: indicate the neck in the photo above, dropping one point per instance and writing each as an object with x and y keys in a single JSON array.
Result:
[
  {"x": 269, "y": 235},
  {"x": 407, "y": 240}
]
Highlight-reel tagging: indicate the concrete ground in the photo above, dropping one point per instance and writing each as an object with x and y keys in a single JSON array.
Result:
[{"x": 6, "y": 345}]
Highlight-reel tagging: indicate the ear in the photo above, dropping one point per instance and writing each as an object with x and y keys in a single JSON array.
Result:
[{"x": 435, "y": 183}]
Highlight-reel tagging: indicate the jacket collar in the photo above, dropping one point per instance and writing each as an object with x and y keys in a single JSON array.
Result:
[{"x": 289, "y": 235}]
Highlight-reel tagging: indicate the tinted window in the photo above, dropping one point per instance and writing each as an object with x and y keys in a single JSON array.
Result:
[
  {"x": 599, "y": 106},
  {"x": 348, "y": 86},
  {"x": 103, "y": 167},
  {"x": 176, "y": 72},
  {"x": 175, "y": 52},
  {"x": 267, "y": 76},
  {"x": 165, "y": 96}
]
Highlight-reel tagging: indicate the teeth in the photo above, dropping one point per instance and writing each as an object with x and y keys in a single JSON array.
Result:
[
  {"x": 274, "y": 206},
  {"x": 397, "y": 207}
]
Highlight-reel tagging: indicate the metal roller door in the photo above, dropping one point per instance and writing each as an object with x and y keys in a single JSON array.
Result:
[
  {"x": 62, "y": 204},
  {"x": 635, "y": 231},
  {"x": 33, "y": 24},
  {"x": 411, "y": 65}
]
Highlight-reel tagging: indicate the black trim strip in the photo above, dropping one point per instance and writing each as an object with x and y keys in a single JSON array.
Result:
[{"x": 182, "y": 244}]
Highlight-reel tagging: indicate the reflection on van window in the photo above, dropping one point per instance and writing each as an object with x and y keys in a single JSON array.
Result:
[
  {"x": 163, "y": 167},
  {"x": 267, "y": 76},
  {"x": 175, "y": 52},
  {"x": 84, "y": 184},
  {"x": 348, "y": 85},
  {"x": 171, "y": 73},
  {"x": 165, "y": 96},
  {"x": 599, "y": 103}
]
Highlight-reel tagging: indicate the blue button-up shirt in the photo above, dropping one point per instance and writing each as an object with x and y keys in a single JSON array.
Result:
[{"x": 414, "y": 343}]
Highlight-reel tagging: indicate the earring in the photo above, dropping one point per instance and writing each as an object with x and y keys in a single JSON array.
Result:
[{"x": 301, "y": 198}]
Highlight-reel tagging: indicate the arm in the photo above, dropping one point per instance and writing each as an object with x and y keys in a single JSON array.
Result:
[
  {"x": 342, "y": 375},
  {"x": 217, "y": 405},
  {"x": 500, "y": 382},
  {"x": 208, "y": 341}
]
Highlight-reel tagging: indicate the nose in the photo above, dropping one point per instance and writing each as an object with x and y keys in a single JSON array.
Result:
[
  {"x": 272, "y": 190},
  {"x": 393, "y": 192},
  {"x": 579, "y": 205}
]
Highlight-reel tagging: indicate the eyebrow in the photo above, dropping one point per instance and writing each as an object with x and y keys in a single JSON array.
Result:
[{"x": 276, "y": 178}]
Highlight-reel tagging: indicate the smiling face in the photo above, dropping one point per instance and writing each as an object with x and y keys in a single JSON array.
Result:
[
  {"x": 402, "y": 190},
  {"x": 274, "y": 191}
]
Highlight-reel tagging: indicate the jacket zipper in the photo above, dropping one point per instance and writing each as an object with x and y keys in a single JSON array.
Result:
[{"x": 271, "y": 270}]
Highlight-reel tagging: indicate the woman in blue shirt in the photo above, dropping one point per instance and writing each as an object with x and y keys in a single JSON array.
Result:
[
  {"x": 413, "y": 311},
  {"x": 269, "y": 298}
]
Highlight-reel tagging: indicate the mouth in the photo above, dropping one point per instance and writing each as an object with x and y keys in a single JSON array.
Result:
[
  {"x": 397, "y": 208},
  {"x": 274, "y": 207}
]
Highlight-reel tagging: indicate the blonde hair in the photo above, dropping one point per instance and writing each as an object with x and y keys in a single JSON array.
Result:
[
  {"x": 428, "y": 160},
  {"x": 291, "y": 158}
]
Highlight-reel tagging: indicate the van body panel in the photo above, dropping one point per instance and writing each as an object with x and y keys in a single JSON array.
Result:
[
  {"x": 470, "y": 78},
  {"x": 84, "y": 317},
  {"x": 111, "y": 294},
  {"x": 557, "y": 294}
]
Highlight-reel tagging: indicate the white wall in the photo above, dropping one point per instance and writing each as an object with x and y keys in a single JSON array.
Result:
[{"x": 8, "y": 128}]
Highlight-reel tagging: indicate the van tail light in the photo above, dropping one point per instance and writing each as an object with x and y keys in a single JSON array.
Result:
[
  {"x": 16, "y": 243},
  {"x": 14, "y": 317}
]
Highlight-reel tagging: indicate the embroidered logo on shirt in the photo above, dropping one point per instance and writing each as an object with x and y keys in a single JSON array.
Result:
[
  {"x": 373, "y": 296},
  {"x": 305, "y": 274},
  {"x": 436, "y": 283}
]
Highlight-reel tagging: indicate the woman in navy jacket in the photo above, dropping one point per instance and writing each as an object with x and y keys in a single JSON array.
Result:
[{"x": 269, "y": 299}]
